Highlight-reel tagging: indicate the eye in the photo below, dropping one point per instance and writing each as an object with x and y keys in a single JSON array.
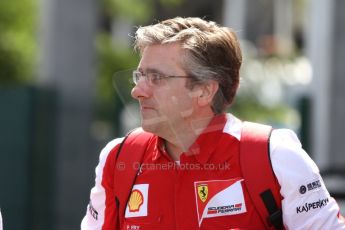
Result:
[
  {"x": 136, "y": 76},
  {"x": 155, "y": 78}
]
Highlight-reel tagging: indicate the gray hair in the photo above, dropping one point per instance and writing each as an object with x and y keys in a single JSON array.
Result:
[{"x": 211, "y": 53}]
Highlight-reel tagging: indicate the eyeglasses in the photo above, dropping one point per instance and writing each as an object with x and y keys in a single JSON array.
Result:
[{"x": 152, "y": 78}]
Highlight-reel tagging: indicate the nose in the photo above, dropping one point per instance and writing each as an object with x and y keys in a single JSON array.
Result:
[{"x": 141, "y": 90}]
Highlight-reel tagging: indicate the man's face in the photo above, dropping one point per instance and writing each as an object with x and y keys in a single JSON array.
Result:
[{"x": 167, "y": 105}]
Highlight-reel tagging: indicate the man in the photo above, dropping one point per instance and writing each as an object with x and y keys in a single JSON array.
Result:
[{"x": 187, "y": 77}]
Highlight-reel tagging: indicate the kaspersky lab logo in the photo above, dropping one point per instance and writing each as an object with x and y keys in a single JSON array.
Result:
[{"x": 313, "y": 205}]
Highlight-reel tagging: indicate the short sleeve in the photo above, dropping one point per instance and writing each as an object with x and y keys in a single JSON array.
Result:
[
  {"x": 306, "y": 202},
  {"x": 101, "y": 208}
]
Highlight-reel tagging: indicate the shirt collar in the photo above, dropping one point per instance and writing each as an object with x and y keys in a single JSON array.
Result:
[
  {"x": 159, "y": 148},
  {"x": 204, "y": 145},
  {"x": 208, "y": 140}
]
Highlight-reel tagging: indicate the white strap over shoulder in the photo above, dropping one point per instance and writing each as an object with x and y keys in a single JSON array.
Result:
[{"x": 0, "y": 221}]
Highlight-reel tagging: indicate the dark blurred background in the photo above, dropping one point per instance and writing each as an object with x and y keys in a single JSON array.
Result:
[{"x": 60, "y": 101}]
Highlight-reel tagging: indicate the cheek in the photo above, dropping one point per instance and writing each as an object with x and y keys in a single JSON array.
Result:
[
  {"x": 182, "y": 105},
  {"x": 177, "y": 102},
  {"x": 167, "y": 103},
  {"x": 174, "y": 100}
]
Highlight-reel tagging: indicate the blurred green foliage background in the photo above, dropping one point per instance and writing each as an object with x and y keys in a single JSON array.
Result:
[
  {"x": 19, "y": 51},
  {"x": 18, "y": 41}
]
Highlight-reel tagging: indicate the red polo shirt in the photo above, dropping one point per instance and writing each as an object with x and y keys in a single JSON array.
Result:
[{"x": 204, "y": 190}]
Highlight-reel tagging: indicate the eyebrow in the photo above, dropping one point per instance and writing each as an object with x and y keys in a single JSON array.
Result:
[{"x": 151, "y": 70}]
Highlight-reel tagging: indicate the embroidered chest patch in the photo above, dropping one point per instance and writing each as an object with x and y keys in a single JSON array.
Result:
[
  {"x": 219, "y": 198},
  {"x": 137, "y": 203}
]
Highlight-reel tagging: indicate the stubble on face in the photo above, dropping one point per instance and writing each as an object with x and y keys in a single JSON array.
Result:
[
  {"x": 169, "y": 115},
  {"x": 168, "y": 107}
]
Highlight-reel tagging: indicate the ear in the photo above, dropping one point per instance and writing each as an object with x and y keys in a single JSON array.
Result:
[{"x": 207, "y": 92}]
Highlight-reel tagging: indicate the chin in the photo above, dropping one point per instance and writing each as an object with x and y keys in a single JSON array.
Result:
[{"x": 151, "y": 127}]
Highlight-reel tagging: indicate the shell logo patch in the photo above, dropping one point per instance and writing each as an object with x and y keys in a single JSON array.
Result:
[
  {"x": 203, "y": 192},
  {"x": 137, "y": 203},
  {"x": 219, "y": 198}
]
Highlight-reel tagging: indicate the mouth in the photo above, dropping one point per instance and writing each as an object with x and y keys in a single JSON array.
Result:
[
  {"x": 143, "y": 108},
  {"x": 144, "y": 105},
  {"x": 146, "y": 110},
  {"x": 150, "y": 115}
]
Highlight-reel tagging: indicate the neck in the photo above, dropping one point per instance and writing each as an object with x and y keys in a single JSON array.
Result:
[{"x": 181, "y": 138}]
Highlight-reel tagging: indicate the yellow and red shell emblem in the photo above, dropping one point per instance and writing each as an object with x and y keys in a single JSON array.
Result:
[{"x": 135, "y": 200}]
